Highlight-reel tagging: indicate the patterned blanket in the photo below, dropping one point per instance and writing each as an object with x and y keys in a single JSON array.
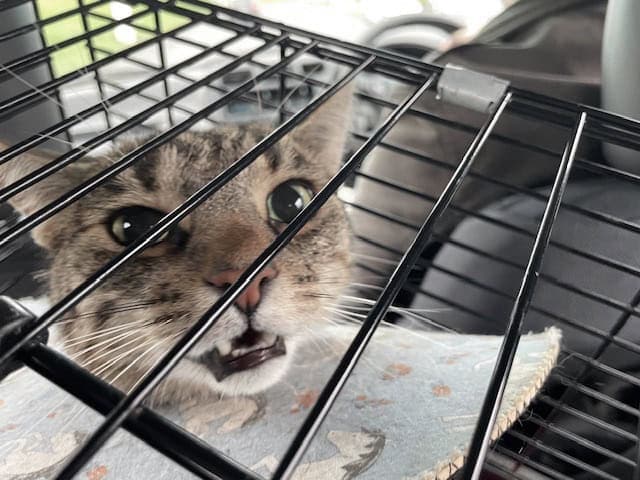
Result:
[{"x": 407, "y": 412}]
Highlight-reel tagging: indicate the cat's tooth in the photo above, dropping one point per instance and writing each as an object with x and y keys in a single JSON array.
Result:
[
  {"x": 268, "y": 339},
  {"x": 224, "y": 347}
]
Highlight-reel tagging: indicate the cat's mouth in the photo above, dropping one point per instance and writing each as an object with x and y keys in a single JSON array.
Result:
[{"x": 247, "y": 351}]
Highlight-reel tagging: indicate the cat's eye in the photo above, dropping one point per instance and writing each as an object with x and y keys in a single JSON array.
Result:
[
  {"x": 287, "y": 200},
  {"x": 128, "y": 224}
]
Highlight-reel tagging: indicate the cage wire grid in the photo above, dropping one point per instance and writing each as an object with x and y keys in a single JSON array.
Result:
[{"x": 578, "y": 121}]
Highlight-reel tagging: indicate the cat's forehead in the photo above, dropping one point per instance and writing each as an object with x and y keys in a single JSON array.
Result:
[{"x": 187, "y": 162}]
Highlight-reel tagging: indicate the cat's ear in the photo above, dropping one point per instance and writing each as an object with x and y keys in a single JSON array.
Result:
[
  {"x": 323, "y": 135},
  {"x": 40, "y": 194}
]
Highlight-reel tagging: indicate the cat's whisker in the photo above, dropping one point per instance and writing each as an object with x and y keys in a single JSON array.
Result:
[
  {"x": 107, "y": 342},
  {"x": 115, "y": 333},
  {"x": 85, "y": 71},
  {"x": 115, "y": 309},
  {"x": 258, "y": 96},
  {"x": 421, "y": 319},
  {"x": 110, "y": 362},
  {"x": 316, "y": 339},
  {"x": 35, "y": 88},
  {"x": 59, "y": 140},
  {"x": 367, "y": 285},
  {"x": 353, "y": 315},
  {"x": 387, "y": 261},
  {"x": 317, "y": 295},
  {"x": 351, "y": 307},
  {"x": 393, "y": 308},
  {"x": 419, "y": 334},
  {"x": 161, "y": 342},
  {"x": 356, "y": 317},
  {"x": 110, "y": 351},
  {"x": 138, "y": 358},
  {"x": 364, "y": 360},
  {"x": 119, "y": 351},
  {"x": 107, "y": 347},
  {"x": 303, "y": 81},
  {"x": 99, "y": 333},
  {"x": 411, "y": 312}
]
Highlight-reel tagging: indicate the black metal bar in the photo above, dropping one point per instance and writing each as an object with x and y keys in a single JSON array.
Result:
[
  {"x": 168, "y": 361},
  {"x": 601, "y": 125},
  {"x": 96, "y": 73},
  {"x": 382, "y": 55},
  {"x": 29, "y": 60},
  {"x": 7, "y": 4},
  {"x": 588, "y": 418},
  {"x": 596, "y": 215},
  {"x": 583, "y": 416},
  {"x": 554, "y": 452},
  {"x": 168, "y": 438},
  {"x": 389, "y": 69},
  {"x": 636, "y": 470},
  {"x": 567, "y": 435},
  {"x": 175, "y": 107},
  {"x": 163, "y": 62},
  {"x": 628, "y": 309},
  {"x": 491, "y": 405},
  {"x": 43, "y": 41},
  {"x": 281, "y": 87},
  {"x": 22, "y": 101},
  {"x": 38, "y": 24},
  {"x": 66, "y": 123},
  {"x": 595, "y": 114},
  {"x": 458, "y": 125},
  {"x": 591, "y": 392},
  {"x": 320, "y": 410},
  {"x": 568, "y": 108},
  {"x": 164, "y": 224},
  {"x": 80, "y": 151},
  {"x": 530, "y": 463},
  {"x": 621, "y": 342},
  {"x": 609, "y": 370}
]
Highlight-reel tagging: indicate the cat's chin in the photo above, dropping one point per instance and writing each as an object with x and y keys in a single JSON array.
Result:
[
  {"x": 197, "y": 373},
  {"x": 253, "y": 380}
]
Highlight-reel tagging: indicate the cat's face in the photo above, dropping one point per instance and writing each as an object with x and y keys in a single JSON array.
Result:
[{"x": 121, "y": 329}]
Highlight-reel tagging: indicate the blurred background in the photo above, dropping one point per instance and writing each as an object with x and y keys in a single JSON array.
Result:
[{"x": 346, "y": 19}]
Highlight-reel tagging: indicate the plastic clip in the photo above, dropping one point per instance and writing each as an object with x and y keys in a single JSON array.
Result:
[{"x": 474, "y": 90}]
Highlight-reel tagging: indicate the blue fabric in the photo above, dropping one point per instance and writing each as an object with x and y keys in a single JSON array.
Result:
[{"x": 408, "y": 411}]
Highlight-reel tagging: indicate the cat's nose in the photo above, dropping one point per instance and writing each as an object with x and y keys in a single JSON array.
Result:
[{"x": 248, "y": 300}]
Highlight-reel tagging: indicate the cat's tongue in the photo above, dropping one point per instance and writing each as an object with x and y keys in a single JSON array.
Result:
[{"x": 247, "y": 351}]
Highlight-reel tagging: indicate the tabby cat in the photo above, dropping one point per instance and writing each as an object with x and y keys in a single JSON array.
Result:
[{"x": 122, "y": 328}]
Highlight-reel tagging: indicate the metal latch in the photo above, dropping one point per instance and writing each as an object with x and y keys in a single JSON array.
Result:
[{"x": 474, "y": 90}]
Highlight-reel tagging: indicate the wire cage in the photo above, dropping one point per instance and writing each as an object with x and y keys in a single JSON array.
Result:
[{"x": 169, "y": 66}]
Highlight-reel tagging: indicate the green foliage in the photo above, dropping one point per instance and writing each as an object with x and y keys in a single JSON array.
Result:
[{"x": 78, "y": 54}]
